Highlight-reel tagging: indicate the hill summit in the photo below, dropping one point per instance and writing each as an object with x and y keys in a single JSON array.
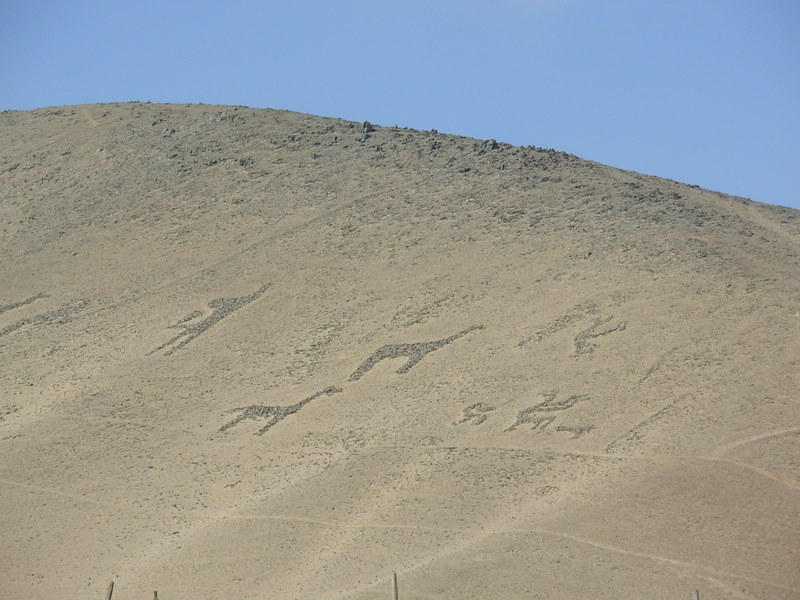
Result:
[{"x": 252, "y": 353}]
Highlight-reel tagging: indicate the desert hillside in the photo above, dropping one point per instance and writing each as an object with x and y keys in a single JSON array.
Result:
[{"x": 257, "y": 354}]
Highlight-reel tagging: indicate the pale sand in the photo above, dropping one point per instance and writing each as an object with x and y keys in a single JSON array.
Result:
[{"x": 501, "y": 373}]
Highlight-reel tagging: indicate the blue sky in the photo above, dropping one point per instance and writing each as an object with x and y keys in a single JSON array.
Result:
[{"x": 704, "y": 92}]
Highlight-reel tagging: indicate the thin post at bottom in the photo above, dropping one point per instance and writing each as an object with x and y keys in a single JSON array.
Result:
[
  {"x": 697, "y": 595},
  {"x": 394, "y": 585},
  {"x": 110, "y": 590}
]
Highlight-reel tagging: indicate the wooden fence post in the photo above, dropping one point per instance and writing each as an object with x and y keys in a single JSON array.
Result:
[
  {"x": 697, "y": 595},
  {"x": 110, "y": 590},
  {"x": 394, "y": 585}
]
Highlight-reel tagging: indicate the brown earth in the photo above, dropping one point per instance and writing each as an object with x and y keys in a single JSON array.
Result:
[{"x": 258, "y": 354}]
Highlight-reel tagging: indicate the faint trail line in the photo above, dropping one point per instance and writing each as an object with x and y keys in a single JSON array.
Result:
[
  {"x": 134, "y": 297},
  {"x": 87, "y": 115},
  {"x": 779, "y": 478},
  {"x": 482, "y": 532},
  {"x": 324, "y": 523},
  {"x": 652, "y": 418},
  {"x": 756, "y": 438},
  {"x": 110, "y": 505},
  {"x": 662, "y": 559},
  {"x": 764, "y": 222},
  {"x": 534, "y": 451},
  {"x": 293, "y": 228},
  {"x": 196, "y": 527}
]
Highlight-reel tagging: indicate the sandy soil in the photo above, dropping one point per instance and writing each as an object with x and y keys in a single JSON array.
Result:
[{"x": 258, "y": 354}]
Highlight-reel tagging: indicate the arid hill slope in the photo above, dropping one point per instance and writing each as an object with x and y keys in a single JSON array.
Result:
[{"x": 256, "y": 354}]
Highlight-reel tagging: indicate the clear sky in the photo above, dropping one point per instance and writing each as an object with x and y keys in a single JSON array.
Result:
[{"x": 706, "y": 92}]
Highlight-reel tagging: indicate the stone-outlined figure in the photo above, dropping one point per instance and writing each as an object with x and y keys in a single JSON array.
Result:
[
  {"x": 5, "y": 307},
  {"x": 8, "y": 410},
  {"x": 475, "y": 413},
  {"x": 582, "y": 343},
  {"x": 576, "y": 431},
  {"x": 414, "y": 352},
  {"x": 221, "y": 308},
  {"x": 533, "y": 415},
  {"x": 578, "y": 312},
  {"x": 277, "y": 413},
  {"x": 60, "y": 315},
  {"x": 526, "y": 417}
]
